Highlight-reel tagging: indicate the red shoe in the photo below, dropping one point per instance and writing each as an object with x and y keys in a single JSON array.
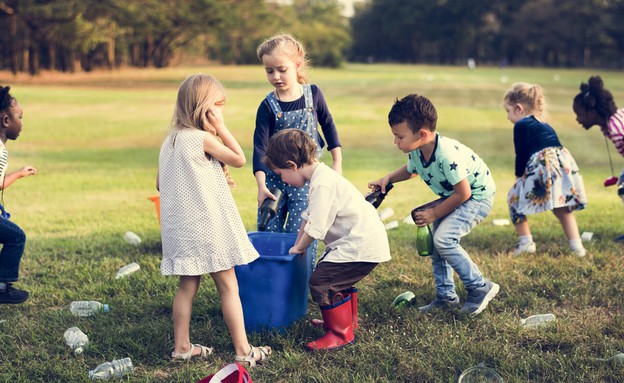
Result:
[
  {"x": 353, "y": 292},
  {"x": 339, "y": 325}
]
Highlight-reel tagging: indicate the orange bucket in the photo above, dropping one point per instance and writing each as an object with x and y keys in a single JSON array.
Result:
[{"x": 156, "y": 200}]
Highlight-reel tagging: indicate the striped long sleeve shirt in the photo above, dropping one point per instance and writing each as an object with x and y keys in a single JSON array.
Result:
[{"x": 615, "y": 130}]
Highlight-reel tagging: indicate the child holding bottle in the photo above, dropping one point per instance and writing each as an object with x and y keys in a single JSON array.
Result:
[
  {"x": 202, "y": 232},
  {"x": 547, "y": 175},
  {"x": 354, "y": 236},
  {"x": 12, "y": 236},
  {"x": 292, "y": 104},
  {"x": 463, "y": 181}
]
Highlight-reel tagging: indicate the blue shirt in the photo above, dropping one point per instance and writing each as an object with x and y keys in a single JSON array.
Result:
[{"x": 450, "y": 163}]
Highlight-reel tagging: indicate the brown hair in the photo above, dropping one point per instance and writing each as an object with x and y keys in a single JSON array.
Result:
[
  {"x": 291, "y": 49},
  {"x": 289, "y": 145},
  {"x": 416, "y": 110}
]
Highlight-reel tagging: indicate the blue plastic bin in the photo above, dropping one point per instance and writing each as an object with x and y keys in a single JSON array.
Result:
[{"x": 274, "y": 288}]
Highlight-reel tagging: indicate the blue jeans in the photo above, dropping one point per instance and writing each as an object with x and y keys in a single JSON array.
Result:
[
  {"x": 448, "y": 255},
  {"x": 13, "y": 240}
]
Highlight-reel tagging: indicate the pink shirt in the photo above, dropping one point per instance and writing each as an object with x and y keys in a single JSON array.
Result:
[{"x": 615, "y": 130}]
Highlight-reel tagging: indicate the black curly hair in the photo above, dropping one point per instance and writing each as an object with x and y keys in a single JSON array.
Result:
[
  {"x": 416, "y": 110},
  {"x": 594, "y": 96},
  {"x": 5, "y": 99}
]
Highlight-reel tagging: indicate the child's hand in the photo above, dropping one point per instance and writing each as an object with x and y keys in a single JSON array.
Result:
[
  {"x": 27, "y": 171},
  {"x": 296, "y": 250},
  {"x": 264, "y": 193},
  {"x": 215, "y": 118},
  {"x": 379, "y": 184},
  {"x": 424, "y": 217}
]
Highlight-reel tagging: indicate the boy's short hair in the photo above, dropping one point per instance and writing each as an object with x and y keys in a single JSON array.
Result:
[
  {"x": 416, "y": 110},
  {"x": 289, "y": 145}
]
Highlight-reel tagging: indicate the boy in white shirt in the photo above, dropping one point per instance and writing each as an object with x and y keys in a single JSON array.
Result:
[{"x": 354, "y": 236}]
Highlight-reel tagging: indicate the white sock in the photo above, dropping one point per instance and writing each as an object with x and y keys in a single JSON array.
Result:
[
  {"x": 524, "y": 239},
  {"x": 576, "y": 244}
]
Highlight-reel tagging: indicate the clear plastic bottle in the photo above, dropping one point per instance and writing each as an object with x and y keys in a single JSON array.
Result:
[
  {"x": 116, "y": 368},
  {"x": 537, "y": 320},
  {"x": 76, "y": 340},
  {"x": 403, "y": 299},
  {"x": 617, "y": 358},
  {"x": 127, "y": 270},
  {"x": 87, "y": 308},
  {"x": 132, "y": 238}
]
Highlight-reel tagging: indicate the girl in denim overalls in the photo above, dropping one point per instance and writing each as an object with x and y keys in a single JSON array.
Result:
[{"x": 293, "y": 104}]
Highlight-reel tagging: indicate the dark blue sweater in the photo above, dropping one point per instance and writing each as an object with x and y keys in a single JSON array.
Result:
[
  {"x": 265, "y": 124},
  {"x": 531, "y": 136}
]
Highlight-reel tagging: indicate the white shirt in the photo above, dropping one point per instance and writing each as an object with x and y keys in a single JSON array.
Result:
[{"x": 339, "y": 216}]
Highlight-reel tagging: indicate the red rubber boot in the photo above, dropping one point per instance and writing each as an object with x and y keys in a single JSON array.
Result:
[
  {"x": 353, "y": 292},
  {"x": 339, "y": 325}
]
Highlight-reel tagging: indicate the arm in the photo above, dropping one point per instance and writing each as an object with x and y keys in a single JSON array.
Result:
[
  {"x": 14, "y": 176},
  {"x": 401, "y": 174},
  {"x": 262, "y": 133},
  {"x": 460, "y": 195},
  {"x": 303, "y": 241},
  {"x": 227, "y": 150},
  {"x": 337, "y": 156}
]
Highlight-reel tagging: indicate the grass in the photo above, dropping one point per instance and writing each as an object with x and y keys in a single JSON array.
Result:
[{"x": 95, "y": 139}]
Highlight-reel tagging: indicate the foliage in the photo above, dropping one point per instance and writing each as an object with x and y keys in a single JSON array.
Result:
[{"x": 95, "y": 138}]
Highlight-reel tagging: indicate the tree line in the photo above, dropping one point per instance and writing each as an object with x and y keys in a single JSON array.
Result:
[{"x": 71, "y": 35}]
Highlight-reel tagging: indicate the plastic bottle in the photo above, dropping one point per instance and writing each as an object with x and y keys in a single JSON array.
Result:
[
  {"x": 268, "y": 209},
  {"x": 537, "y": 320},
  {"x": 424, "y": 241},
  {"x": 116, "y": 368},
  {"x": 127, "y": 270},
  {"x": 132, "y": 238},
  {"x": 87, "y": 308},
  {"x": 403, "y": 299},
  {"x": 617, "y": 358},
  {"x": 376, "y": 197},
  {"x": 76, "y": 340}
]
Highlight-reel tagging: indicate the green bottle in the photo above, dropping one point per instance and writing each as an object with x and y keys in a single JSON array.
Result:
[{"x": 424, "y": 241}]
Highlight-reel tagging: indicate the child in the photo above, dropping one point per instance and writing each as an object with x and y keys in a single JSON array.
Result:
[
  {"x": 12, "y": 237},
  {"x": 293, "y": 104},
  {"x": 202, "y": 231},
  {"x": 594, "y": 105},
  {"x": 547, "y": 175},
  {"x": 354, "y": 236},
  {"x": 463, "y": 181}
]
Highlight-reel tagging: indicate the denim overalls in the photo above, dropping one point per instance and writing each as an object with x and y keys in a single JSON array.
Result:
[{"x": 295, "y": 200}]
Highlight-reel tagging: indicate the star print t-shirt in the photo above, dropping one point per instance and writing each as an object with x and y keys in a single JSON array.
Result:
[{"x": 450, "y": 163}]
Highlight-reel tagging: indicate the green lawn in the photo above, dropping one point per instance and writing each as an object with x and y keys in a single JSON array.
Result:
[{"x": 95, "y": 138}]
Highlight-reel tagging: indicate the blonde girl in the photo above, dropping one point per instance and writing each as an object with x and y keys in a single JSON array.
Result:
[
  {"x": 202, "y": 232},
  {"x": 547, "y": 175},
  {"x": 292, "y": 104}
]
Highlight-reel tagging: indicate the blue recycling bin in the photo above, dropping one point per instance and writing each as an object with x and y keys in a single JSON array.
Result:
[{"x": 274, "y": 288}]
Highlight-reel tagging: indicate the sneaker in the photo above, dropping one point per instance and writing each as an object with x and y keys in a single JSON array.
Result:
[
  {"x": 580, "y": 252},
  {"x": 620, "y": 239},
  {"x": 478, "y": 299},
  {"x": 440, "y": 303},
  {"x": 12, "y": 295},
  {"x": 528, "y": 248}
]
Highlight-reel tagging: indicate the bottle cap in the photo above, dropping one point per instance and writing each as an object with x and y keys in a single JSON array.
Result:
[{"x": 105, "y": 308}]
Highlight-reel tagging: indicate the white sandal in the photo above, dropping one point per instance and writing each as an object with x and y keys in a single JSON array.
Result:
[
  {"x": 205, "y": 351},
  {"x": 264, "y": 352}
]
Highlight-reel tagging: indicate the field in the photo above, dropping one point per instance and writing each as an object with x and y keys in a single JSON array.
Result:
[{"x": 95, "y": 138}]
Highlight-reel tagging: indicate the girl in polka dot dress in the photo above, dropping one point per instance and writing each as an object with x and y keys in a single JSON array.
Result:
[
  {"x": 201, "y": 228},
  {"x": 293, "y": 104}
]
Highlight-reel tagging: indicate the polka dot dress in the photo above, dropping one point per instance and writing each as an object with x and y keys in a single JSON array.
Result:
[{"x": 201, "y": 228}]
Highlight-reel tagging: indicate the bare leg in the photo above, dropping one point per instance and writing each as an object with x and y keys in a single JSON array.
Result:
[
  {"x": 227, "y": 286},
  {"x": 568, "y": 222},
  {"x": 182, "y": 307},
  {"x": 522, "y": 228}
]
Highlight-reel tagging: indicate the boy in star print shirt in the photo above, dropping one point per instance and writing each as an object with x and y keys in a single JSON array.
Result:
[{"x": 466, "y": 189}]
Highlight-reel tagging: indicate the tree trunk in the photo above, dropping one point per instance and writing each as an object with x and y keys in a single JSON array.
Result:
[{"x": 33, "y": 59}]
